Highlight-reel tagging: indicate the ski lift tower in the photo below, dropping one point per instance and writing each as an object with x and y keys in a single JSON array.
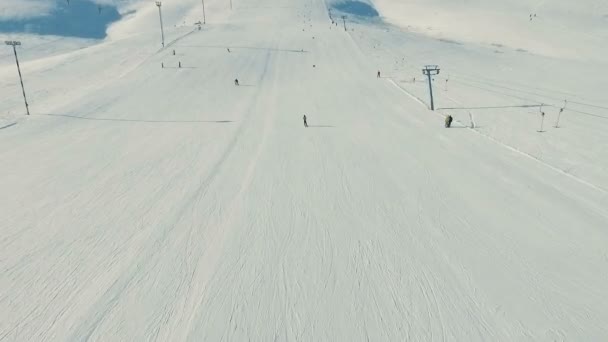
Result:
[
  {"x": 430, "y": 71},
  {"x": 14, "y": 44},
  {"x": 204, "y": 16},
  {"x": 160, "y": 15}
]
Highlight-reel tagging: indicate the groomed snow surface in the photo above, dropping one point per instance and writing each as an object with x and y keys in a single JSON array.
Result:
[{"x": 144, "y": 203}]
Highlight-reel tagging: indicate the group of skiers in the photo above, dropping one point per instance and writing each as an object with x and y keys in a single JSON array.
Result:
[
  {"x": 236, "y": 83},
  {"x": 448, "y": 118}
]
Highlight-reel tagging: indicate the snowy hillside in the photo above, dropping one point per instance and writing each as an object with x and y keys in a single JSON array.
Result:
[
  {"x": 148, "y": 197},
  {"x": 558, "y": 28}
]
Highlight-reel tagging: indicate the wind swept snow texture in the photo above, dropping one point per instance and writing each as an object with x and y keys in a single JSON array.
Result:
[
  {"x": 79, "y": 18},
  {"x": 149, "y": 203}
]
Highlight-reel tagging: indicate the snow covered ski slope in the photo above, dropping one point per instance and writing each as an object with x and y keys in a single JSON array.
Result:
[{"x": 146, "y": 203}]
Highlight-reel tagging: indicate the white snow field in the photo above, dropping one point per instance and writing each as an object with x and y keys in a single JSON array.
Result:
[
  {"x": 558, "y": 28},
  {"x": 144, "y": 203}
]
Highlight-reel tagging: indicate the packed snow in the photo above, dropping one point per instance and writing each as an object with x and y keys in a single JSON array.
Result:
[{"x": 147, "y": 197}]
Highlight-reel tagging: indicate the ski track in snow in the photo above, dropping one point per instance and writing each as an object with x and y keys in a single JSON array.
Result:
[{"x": 170, "y": 205}]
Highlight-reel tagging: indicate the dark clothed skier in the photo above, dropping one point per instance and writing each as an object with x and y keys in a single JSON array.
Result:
[
  {"x": 378, "y": 76},
  {"x": 305, "y": 123},
  {"x": 448, "y": 121},
  {"x": 236, "y": 81}
]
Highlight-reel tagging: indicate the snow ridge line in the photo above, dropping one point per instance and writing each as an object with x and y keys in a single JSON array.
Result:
[
  {"x": 414, "y": 97},
  {"x": 171, "y": 43},
  {"x": 507, "y": 146},
  {"x": 526, "y": 154}
]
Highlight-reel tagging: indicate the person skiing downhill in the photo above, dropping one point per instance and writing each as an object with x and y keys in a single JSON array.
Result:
[
  {"x": 378, "y": 76},
  {"x": 236, "y": 81},
  {"x": 305, "y": 123}
]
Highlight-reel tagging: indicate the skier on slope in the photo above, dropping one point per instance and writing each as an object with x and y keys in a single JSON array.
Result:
[
  {"x": 305, "y": 123},
  {"x": 236, "y": 81},
  {"x": 448, "y": 121},
  {"x": 378, "y": 75}
]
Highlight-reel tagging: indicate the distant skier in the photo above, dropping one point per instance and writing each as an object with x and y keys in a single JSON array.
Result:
[
  {"x": 236, "y": 81},
  {"x": 228, "y": 50},
  {"x": 448, "y": 121},
  {"x": 378, "y": 75},
  {"x": 305, "y": 123}
]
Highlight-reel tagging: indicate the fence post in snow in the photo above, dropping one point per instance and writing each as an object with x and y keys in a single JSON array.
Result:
[
  {"x": 561, "y": 110},
  {"x": 542, "y": 119}
]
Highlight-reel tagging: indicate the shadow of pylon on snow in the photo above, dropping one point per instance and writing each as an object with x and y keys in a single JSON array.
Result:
[
  {"x": 136, "y": 120},
  {"x": 9, "y": 125},
  {"x": 493, "y": 107},
  {"x": 183, "y": 67},
  {"x": 235, "y": 48}
]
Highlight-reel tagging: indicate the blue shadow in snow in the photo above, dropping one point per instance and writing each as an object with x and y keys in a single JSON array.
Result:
[
  {"x": 357, "y": 8},
  {"x": 79, "y": 18}
]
